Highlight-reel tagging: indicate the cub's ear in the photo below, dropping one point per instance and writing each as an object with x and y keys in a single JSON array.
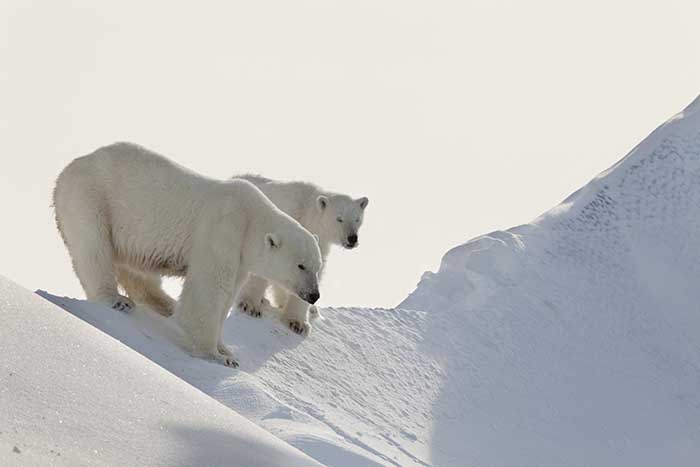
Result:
[
  {"x": 363, "y": 202},
  {"x": 321, "y": 202},
  {"x": 272, "y": 241}
]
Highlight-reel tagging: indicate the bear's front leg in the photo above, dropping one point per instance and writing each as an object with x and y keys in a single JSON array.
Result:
[
  {"x": 255, "y": 286},
  {"x": 223, "y": 350},
  {"x": 296, "y": 315},
  {"x": 251, "y": 297},
  {"x": 203, "y": 306}
]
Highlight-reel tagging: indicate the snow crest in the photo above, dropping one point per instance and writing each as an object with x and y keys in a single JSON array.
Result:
[{"x": 576, "y": 339}]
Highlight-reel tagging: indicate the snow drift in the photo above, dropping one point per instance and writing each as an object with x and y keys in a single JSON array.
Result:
[
  {"x": 570, "y": 341},
  {"x": 346, "y": 395},
  {"x": 575, "y": 340},
  {"x": 71, "y": 395}
]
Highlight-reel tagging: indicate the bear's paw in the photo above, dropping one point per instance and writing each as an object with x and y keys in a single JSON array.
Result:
[
  {"x": 122, "y": 304},
  {"x": 299, "y": 327},
  {"x": 246, "y": 306},
  {"x": 226, "y": 360}
]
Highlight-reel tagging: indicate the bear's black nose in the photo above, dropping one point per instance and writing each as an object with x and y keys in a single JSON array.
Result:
[
  {"x": 313, "y": 297},
  {"x": 352, "y": 239}
]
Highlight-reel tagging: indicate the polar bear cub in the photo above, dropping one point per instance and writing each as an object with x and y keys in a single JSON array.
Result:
[
  {"x": 128, "y": 215},
  {"x": 334, "y": 218}
]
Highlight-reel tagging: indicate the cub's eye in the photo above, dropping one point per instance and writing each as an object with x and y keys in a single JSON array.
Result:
[
  {"x": 340, "y": 219},
  {"x": 302, "y": 267}
]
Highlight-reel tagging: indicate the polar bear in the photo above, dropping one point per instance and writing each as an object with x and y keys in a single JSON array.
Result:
[
  {"x": 128, "y": 215},
  {"x": 334, "y": 218}
]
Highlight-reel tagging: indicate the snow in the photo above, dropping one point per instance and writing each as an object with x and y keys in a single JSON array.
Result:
[
  {"x": 575, "y": 340},
  {"x": 340, "y": 395},
  {"x": 570, "y": 341},
  {"x": 71, "y": 395}
]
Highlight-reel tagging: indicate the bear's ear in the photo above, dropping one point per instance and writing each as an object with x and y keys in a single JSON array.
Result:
[
  {"x": 272, "y": 241},
  {"x": 363, "y": 202},
  {"x": 321, "y": 202}
]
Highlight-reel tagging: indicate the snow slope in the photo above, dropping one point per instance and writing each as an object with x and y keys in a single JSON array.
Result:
[
  {"x": 575, "y": 340},
  {"x": 340, "y": 395},
  {"x": 71, "y": 395},
  {"x": 570, "y": 341}
]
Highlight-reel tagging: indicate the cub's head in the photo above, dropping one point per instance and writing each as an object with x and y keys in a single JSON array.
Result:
[
  {"x": 293, "y": 260},
  {"x": 341, "y": 218}
]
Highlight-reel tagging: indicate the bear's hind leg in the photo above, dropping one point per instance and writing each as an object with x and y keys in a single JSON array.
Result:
[
  {"x": 87, "y": 237},
  {"x": 145, "y": 288}
]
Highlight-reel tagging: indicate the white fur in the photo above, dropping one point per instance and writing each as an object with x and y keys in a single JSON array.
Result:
[
  {"x": 318, "y": 211},
  {"x": 128, "y": 215}
]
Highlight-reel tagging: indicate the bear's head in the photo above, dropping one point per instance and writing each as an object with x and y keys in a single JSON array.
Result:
[
  {"x": 292, "y": 259},
  {"x": 341, "y": 218}
]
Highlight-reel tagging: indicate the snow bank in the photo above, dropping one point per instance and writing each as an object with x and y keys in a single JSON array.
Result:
[
  {"x": 71, "y": 395},
  {"x": 575, "y": 341},
  {"x": 345, "y": 395},
  {"x": 570, "y": 341}
]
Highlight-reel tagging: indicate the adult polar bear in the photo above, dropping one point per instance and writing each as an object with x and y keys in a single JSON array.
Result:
[
  {"x": 129, "y": 215},
  {"x": 334, "y": 218}
]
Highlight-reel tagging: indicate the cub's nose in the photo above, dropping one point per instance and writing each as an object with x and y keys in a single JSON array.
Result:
[
  {"x": 352, "y": 240},
  {"x": 313, "y": 297}
]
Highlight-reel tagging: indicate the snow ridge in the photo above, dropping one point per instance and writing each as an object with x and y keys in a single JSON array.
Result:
[{"x": 580, "y": 332}]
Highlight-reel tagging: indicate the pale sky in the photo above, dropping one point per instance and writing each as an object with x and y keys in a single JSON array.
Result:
[{"x": 454, "y": 118}]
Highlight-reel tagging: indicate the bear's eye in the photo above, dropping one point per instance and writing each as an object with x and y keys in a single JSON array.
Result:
[
  {"x": 302, "y": 267},
  {"x": 340, "y": 219}
]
